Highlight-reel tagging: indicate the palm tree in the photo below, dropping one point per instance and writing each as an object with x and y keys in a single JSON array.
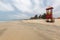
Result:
[
  {"x": 43, "y": 16},
  {"x": 39, "y": 16}
]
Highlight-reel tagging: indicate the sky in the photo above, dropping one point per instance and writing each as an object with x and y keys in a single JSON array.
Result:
[{"x": 24, "y": 9}]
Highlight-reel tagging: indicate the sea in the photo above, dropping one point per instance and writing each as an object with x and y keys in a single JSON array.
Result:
[{"x": 10, "y": 20}]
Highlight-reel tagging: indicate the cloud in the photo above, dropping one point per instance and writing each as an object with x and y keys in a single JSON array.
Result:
[
  {"x": 23, "y": 5},
  {"x": 18, "y": 16},
  {"x": 30, "y": 6},
  {"x": 5, "y": 7},
  {"x": 56, "y": 10},
  {"x": 20, "y": 9}
]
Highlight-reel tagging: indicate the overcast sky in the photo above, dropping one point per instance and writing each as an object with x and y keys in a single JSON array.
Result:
[{"x": 21, "y": 9}]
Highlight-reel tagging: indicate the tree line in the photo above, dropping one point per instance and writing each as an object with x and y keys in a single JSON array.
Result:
[{"x": 39, "y": 17}]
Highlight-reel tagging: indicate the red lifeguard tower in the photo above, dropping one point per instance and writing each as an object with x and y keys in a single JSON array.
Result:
[{"x": 49, "y": 15}]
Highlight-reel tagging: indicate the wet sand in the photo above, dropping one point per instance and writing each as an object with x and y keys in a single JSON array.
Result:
[{"x": 30, "y": 30}]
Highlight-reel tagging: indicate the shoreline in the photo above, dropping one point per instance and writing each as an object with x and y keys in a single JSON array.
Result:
[{"x": 35, "y": 21}]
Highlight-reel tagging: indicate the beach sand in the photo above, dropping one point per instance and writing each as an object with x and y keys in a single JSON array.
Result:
[{"x": 30, "y": 30}]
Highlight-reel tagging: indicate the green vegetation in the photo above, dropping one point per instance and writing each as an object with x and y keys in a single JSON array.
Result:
[{"x": 39, "y": 17}]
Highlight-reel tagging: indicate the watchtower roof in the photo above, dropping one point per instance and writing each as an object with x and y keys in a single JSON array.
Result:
[{"x": 49, "y": 8}]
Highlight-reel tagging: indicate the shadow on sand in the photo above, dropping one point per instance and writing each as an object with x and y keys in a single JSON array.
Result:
[{"x": 2, "y": 31}]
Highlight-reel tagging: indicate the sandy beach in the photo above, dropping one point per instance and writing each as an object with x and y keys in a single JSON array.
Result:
[{"x": 30, "y": 30}]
